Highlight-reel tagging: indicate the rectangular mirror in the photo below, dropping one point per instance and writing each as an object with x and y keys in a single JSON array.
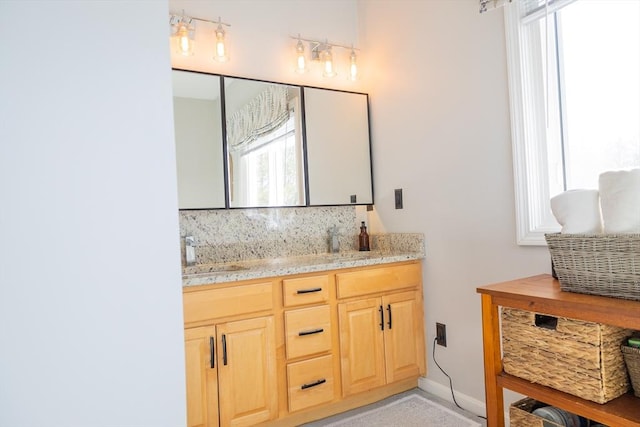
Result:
[
  {"x": 264, "y": 146},
  {"x": 198, "y": 134},
  {"x": 338, "y": 147}
]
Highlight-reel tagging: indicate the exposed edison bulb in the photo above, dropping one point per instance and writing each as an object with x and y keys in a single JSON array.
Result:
[
  {"x": 353, "y": 66},
  {"x": 301, "y": 62},
  {"x": 184, "y": 40},
  {"x": 327, "y": 60},
  {"x": 221, "y": 54}
]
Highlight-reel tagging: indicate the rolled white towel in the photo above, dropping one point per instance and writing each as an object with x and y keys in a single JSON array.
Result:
[
  {"x": 578, "y": 211},
  {"x": 620, "y": 201}
]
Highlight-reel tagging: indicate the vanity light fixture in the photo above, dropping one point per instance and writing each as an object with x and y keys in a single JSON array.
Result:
[
  {"x": 221, "y": 54},
  {"x": 301, "y": 61},
  {"x": 323, "y": 51},
  {"x": 183, "y": 31},
  {"x": 353, "y": 66},
  {"x": 327, "y": 63}
]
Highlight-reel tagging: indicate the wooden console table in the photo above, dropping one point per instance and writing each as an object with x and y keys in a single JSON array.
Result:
[{"x": 542, "y": 294}]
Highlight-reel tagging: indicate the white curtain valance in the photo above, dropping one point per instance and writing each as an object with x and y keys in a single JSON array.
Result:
[
  {"x": 262, "y": 115},
  {"x": 486, "y": 5}
]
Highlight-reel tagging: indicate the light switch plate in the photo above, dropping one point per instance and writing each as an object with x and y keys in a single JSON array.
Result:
[{"x": 398, "y": 197}]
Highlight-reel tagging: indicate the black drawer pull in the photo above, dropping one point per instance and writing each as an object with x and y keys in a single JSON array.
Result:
[
  {"x": 308, "y": 291},
  {"x": 389, "y": 310},
  {"x": 224, "y": 349},
  {"x": 311, "y": 332},
  {"x": 381, "y": 318},
  {"x": 305, "y": 386},
  {"x": 212, "y": 351}
]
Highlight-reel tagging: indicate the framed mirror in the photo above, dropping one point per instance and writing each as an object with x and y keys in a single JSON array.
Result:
[
  {"x": 197, "y": 113},
  {"x": 264, "y": 148},
  {"x": 338, "y": 147}
]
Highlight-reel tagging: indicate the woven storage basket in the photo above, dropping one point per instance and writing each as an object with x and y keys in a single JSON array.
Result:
[
  {"x": 632, "y": 360},
  {"x": 520, "y": 415},
  {"x": 577, "y": 357},
  {"x": 597, "y": 264}
]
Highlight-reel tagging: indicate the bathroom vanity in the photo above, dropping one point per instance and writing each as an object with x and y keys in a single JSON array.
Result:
[{"x": 283, "y": 342}]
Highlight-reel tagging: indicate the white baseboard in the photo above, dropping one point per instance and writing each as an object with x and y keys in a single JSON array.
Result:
[{"x": 467, "y": 402}]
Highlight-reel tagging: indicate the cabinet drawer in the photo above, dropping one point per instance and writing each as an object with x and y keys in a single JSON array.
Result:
[
  {"x": 305, "y": 290},
  {"x": 310, "y": 382},
  {"x": 381, "y": 279},
  {"x": 308, "y": 331},
  {"x": 216, "y": 303}
]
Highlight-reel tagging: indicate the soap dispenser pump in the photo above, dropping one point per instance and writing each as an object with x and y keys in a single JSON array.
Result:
[{"x": 363, "y": 238}]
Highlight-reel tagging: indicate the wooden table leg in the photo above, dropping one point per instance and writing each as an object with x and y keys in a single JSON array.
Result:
[{"x": 492, "y": 362}]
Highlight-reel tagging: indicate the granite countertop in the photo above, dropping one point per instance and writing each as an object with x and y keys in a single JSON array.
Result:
[{"x": 204, "y": 274}]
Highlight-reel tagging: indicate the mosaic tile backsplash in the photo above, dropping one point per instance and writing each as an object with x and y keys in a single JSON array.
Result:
[{"x": 246, "y": 234}]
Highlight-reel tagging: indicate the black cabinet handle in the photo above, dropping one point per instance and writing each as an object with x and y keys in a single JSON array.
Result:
[
  {"x": 308, "y": 291},
  {"x": 212, "y": 351},
  {"x": 389, "y": 310},
  {"x": 381, "y": 318},
  {"x": 224, "y": 350},
  {"x": 305, "y": 386},
  {"x": 311, "y": 332}
]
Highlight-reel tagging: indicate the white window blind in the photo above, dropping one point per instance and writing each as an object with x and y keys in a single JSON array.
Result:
[{"x": 533, "y": 10}]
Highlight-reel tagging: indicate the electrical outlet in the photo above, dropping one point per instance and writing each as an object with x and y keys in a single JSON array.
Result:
[{"x": 441, "y": 334}]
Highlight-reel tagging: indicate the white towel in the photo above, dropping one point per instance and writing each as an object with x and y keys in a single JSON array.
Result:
[
  {"x": 578, "y": 211},
  {"x": 620, "y": 201}
]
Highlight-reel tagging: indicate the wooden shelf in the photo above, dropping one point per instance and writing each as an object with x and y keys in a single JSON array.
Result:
[
  {"x": 621, "y": 412},
  {"x": 542, "y": 294}
]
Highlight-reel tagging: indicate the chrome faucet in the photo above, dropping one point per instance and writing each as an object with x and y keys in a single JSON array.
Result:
[
  {"x": 190, "y": 250},
  {"x": 334, "y": 243}
]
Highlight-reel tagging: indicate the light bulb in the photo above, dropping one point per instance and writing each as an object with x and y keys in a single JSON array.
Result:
[
  {"x": 328, "y": 64},
  {"x": 221, "y": 54},
  {"x": 353, "y": 67},
  {"x": 184, "y": 40},
  {"x": 301, "y": 64}
]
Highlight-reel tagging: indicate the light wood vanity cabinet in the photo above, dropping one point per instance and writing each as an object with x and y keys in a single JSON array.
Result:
[
  {"x": 230, "y": 365},
  {"x": 381, "y": 337},
  {"x": 302, "y": 347},
  {"x": 308, "y": 341}
]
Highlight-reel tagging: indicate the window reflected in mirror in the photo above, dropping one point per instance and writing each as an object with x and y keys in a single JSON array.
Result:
[{"x": 264, "y": 144}]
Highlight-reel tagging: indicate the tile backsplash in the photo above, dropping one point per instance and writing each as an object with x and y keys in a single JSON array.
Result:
[{"x": 245, "y": 234}]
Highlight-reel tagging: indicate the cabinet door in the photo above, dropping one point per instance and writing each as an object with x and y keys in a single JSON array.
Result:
[
  {"x": 404, "y": 336},
  {"x": 247, "y": 372},
  {"x": 361, "y": 345},
  {"x": 202, "y": 385}
]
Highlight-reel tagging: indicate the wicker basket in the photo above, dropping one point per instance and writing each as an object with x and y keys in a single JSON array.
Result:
[
  {"x": 577, "y": 357},
  {"x": 632, "y": 360},
  {"x": 520, "y": 415},
  {"x": 602, "y": 264}
]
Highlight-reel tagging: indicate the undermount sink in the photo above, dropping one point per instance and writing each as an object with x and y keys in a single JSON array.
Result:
[{"x": 212, "y": 268}]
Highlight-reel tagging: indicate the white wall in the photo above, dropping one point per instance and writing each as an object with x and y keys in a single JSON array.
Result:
[
  {"x": 441, "y": 132},
  {"x": 90, "y": 289}
]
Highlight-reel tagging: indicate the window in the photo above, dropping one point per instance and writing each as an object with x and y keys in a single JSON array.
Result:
[
  {"x": 574, "y": 76},
  {"x": 271, "y": 168}
]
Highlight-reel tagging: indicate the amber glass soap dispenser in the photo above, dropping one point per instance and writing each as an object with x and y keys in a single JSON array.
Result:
[{"x": 363, "y": 238}]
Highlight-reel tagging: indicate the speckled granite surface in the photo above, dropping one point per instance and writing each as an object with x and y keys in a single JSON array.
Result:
[
  {"x": 247, "y": 244},
  {"x": 246, "y": 234},
  {"x": 255, "y": 269}
]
